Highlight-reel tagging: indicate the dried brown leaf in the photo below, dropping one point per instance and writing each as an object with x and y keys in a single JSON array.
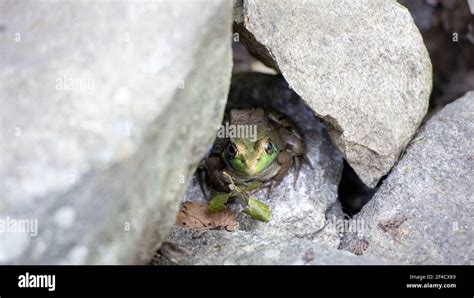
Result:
[{"x": 197, "y": 216}]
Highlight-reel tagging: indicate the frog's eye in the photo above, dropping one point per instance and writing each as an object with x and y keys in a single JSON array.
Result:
[
  {"x": 232, "y": 150},
  {"x": 269, "y": 148}
]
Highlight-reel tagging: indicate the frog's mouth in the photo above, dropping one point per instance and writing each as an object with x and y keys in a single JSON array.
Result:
[{"x": 254, "y": 166}]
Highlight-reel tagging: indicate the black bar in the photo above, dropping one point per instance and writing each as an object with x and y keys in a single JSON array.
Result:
[{"x": 241, "y": 280}]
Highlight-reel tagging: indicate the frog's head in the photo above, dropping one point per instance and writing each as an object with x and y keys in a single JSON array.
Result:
[
  {"x": 251, "y": 150},
  {"x": 250, "y": 157}
]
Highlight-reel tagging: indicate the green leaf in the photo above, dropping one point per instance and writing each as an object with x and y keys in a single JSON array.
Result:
[
  {"x": 258, "y": 210},
  {"x": 218, "y": 201},
  {"x": 253, "y": 185}
]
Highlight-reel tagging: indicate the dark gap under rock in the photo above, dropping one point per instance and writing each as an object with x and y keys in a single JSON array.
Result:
[{"x": 353, "y": 193}]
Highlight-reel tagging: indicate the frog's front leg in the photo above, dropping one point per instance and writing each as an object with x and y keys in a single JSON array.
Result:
[
  {"x": 203, "y": 179},
  {"x": 285, "y": 160},
  {"x": 210, "y": 170},
  {"x": 294, "y": 146},
  {"x": 215, "y": 167}
]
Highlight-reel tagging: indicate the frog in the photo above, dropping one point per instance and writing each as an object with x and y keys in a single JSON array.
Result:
[{"x": 265, "y": 158}]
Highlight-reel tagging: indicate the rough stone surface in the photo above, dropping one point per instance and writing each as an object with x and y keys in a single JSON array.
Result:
[
  {"x": 241, "y": 248},
  {"x": 360, "y": 65},
  {"x": 304, "y": 217},
  {"x": 423, "y": 212},
  {"x": 102, "y": 121}
]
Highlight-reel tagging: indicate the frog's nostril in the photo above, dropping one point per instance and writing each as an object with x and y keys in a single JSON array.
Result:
[{"x": 251, "y": 165}]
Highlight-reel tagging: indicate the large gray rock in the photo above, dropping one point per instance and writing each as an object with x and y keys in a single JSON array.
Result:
[
  {"x": 304, "y": 216},
  {"x": 107, "y": 108},
  {"x": 423, "y": 212},
  {"x": 360, "y": 65}
]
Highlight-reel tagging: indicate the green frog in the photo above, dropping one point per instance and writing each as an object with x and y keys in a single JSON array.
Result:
[{"x": 266, "y": 156}]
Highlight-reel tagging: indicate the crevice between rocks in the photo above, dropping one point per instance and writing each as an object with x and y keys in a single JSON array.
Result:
[{"x": 352, "y": 192}]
